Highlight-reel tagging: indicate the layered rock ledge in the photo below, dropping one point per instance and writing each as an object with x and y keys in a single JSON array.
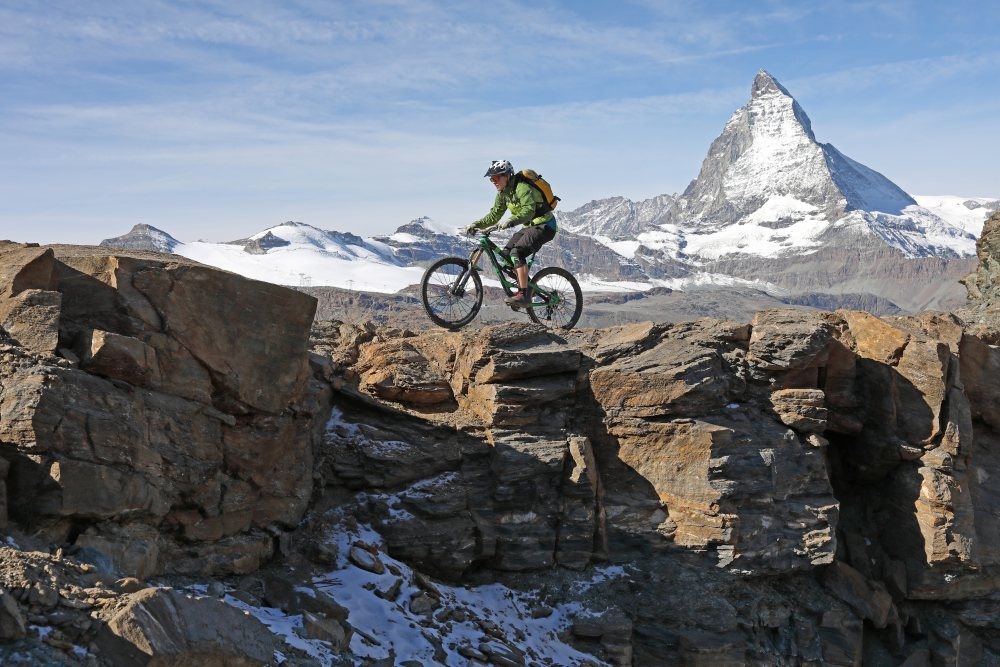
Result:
[
  {"x": 836, "y": 448},
  {"x": 161, "y": 412}
]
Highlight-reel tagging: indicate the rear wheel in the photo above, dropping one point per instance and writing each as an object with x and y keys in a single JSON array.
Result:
[
  {"x": 451, "y": 294},
  {"x": 563, "y": 299}
]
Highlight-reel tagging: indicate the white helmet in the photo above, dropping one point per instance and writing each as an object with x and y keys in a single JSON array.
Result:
[{"x": 499, "y": 167}]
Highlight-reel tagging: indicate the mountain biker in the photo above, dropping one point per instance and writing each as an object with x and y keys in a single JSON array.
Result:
[{"x": 522, "y": 200}]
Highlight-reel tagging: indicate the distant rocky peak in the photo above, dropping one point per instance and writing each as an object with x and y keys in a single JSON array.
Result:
[
  {"x": 764, "y": 84},
  {"x": 618, "y": 218},
  {"x": 973, "y": 204},
  {"x": 261, "y": 244},
  {"x": 143, "y": 237},
  {"x": 420, "y": 227},
  {"x": 767, "y": 153},
  {"x": 423, "y": 228},
  {"x": 767, "y": 149},
  {"x": 767, "y": 97}
]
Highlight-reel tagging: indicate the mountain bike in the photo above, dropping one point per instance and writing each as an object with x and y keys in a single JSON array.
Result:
[{"x": 452, "y": 289}]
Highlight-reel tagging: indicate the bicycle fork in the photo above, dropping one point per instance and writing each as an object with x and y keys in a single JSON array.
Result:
[{"x": 458, "y": 287}]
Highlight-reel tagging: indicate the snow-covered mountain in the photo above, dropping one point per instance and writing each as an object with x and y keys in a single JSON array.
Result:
[
  {"x": 772, "y": 208},
  {"x": 768, "y": 188},
  {"x": 775, "y": 208},
  {"x": 619, "y": 218},
  {"x": 960, "y": 212},
  {"x": 297, "y": 254},
  {"x": 767, "y": 164},
  {"x": 143, "y": 237}
]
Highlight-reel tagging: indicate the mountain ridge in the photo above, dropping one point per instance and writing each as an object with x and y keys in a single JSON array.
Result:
[{"x": 767, "y": 197}]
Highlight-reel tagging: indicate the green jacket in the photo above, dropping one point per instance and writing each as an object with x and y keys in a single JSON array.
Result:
[{"x": 520, "y": 199}]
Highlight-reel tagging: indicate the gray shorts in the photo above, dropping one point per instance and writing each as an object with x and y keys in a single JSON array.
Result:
[{"x": 526, "y": 242}]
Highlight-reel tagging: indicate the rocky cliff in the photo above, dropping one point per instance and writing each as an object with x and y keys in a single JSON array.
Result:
[
  {"x": 839, "y": 452},
  {"x": 161, "y": 412},
  {"x": 983, "y": 284},
  {"x": 811, "y": 488}
]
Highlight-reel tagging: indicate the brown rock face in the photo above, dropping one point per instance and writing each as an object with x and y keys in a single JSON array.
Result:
[
  {"x": 647, "y": 431},
  {"x": 247, "y": 337},
  {"x": 160, "y": 626},
  {"x": 29, "y": 304},
  {"x": 983, "y": 285},
  {"x": 494, "y": 494},
  {"x": 183, "y": 402},
  {"x": 727, "y": 471},
  {"x": 851, "y": 452}
]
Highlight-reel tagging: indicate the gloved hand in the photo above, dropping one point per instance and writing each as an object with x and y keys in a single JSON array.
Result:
[
  {"x": 471, "y": 230},
  {"x": 505, "y": 224}
]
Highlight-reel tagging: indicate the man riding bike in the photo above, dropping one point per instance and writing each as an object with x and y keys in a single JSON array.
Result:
[{"x": 524, "y": 203}]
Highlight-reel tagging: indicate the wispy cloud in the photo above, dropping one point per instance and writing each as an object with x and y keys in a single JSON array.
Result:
[{"x": 210, "y": 103}]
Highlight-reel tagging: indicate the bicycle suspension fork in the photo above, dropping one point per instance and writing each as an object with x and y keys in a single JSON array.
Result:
[{"x": 463, "y": 278}]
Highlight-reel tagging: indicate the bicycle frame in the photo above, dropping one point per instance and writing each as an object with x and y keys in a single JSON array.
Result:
[
  {"x": 498, "y": 258},
  {"x": 486, "y": 246}
]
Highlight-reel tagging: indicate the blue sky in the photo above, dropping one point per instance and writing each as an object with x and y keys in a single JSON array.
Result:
[{"x": 215, "y": 120}]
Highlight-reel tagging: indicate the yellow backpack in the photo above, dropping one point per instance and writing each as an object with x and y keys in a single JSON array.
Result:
[{"x": 532, "y": 177}]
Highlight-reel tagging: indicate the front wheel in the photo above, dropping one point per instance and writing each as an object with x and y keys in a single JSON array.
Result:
[
  {"x": 452, "y": 295},
  {"x": 562, "y": 299}
]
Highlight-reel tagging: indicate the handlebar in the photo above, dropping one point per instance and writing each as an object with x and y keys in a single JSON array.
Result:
[{"x": 486, "y": 231}]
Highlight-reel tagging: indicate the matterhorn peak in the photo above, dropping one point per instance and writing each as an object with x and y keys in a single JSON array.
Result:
[
  {"x": 768, "y": 163},
  {"x": 764, "y": 84},
  {"x": 767, "y": 95}
]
